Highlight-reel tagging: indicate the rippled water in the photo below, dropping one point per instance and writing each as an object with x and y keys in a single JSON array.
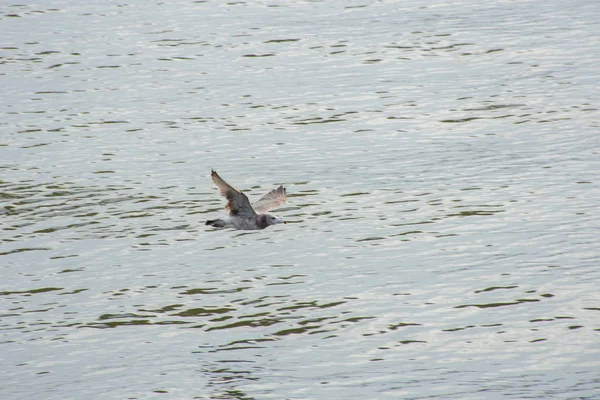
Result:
[{"x": 442, "y": 165}]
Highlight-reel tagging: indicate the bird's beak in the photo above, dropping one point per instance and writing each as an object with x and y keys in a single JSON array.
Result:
[{"x": 285, "y": 222}]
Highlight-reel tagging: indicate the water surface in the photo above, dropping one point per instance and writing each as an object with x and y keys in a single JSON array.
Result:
[{"x": 441, "y": 161}]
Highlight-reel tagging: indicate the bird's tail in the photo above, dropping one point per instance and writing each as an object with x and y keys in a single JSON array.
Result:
[{"x": 217, "y": 223}]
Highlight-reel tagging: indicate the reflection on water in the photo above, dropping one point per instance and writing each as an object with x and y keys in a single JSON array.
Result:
[{"x": 441, "y": 167}]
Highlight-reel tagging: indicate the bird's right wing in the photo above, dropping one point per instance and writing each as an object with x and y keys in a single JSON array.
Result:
[{"x": 271, "y": 200}]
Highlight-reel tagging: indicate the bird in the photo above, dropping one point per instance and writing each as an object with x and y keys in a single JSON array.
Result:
[{"x": 242, "y": 214}]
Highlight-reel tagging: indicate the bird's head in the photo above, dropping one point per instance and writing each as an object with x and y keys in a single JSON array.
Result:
[{"x": 273, "y": 220}]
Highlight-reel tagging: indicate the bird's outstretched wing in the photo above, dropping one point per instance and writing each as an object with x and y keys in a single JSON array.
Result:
[
  {"x": 271, "y": 200},
  {"x": 237, "y": 202}
]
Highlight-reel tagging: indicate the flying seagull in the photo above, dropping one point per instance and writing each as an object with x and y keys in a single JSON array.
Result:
[{"x": 242, "y": 215}]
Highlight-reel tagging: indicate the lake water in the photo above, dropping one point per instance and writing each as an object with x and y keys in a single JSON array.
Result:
[{"x": 441, "y": 161}]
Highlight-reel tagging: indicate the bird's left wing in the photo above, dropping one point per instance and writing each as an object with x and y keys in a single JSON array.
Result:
[{"x": 237, "y": 202}]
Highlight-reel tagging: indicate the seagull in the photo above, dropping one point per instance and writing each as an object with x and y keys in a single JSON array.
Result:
[{"x": 243, "y": 215}]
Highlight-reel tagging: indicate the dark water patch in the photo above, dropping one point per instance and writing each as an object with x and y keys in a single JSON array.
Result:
[
  {"x": 29, "y": 131},
  {"x": 76, "y": 291},
  {"x": 171, "y": 228},
  {"x": 406, "y": 233},
  {"x": 203, "y": 312},
  {"x": 370, "y": 239},
  {"x": 495, "y": 107},
  {"x": 248, "y": 341},
  {"x": 315, "y": 320},
  {"x": 259, "y": 314},
  {"x": 135, "y": 214},
  {"x": 353, "y": 319},
  {"x": 400, "y": 201},
  {"x": 311, "y": 305},
  {"x": 459, "y": 329},
  {"x": 66, "y": 227},
  {"x": 213, "y": 290},
  {"x": 478, "y": 205},
  {"x": 283, "y": 283},
  {"x": 542, "y": 320},
  {"x": 450, "y": 46},
  {"x": 402, "y": 325},
  {"x": 413, "y": 223},
  {"x": 118, "y": 316},
  {"x": 411, "y": 341},
  {"x": 295, "y": 331},
  {"x": 303, "y": 194},
  {"x": 343, "y": 114},
  {"x": 111, "y": 122},
  {"x": 319, "y": 213},
  {"x": 35, "y": 145},
  {"x": 165, "y": 309},
  {"x": 264, "y": 301},
  {"x": 474, "y": 213},
  {"x": 317, "y": 120},
  {"x": 30, "y": 292},
  {"x": 489, "y": 289},
  {"x": 116, "y": 324},
  {"x": 51, "y": 92},
  {"x": 21, "y": 250},
  {"x": 66, "y": 271},
  {"x": 53, "y": 66},
  {"x": 259, "y": 55},
  {"x": 281, "y": 41},
  {"x": 247, "y": 323},
  {"x": 500, "y": 304},
  {"x": 354, "y": 194}
]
